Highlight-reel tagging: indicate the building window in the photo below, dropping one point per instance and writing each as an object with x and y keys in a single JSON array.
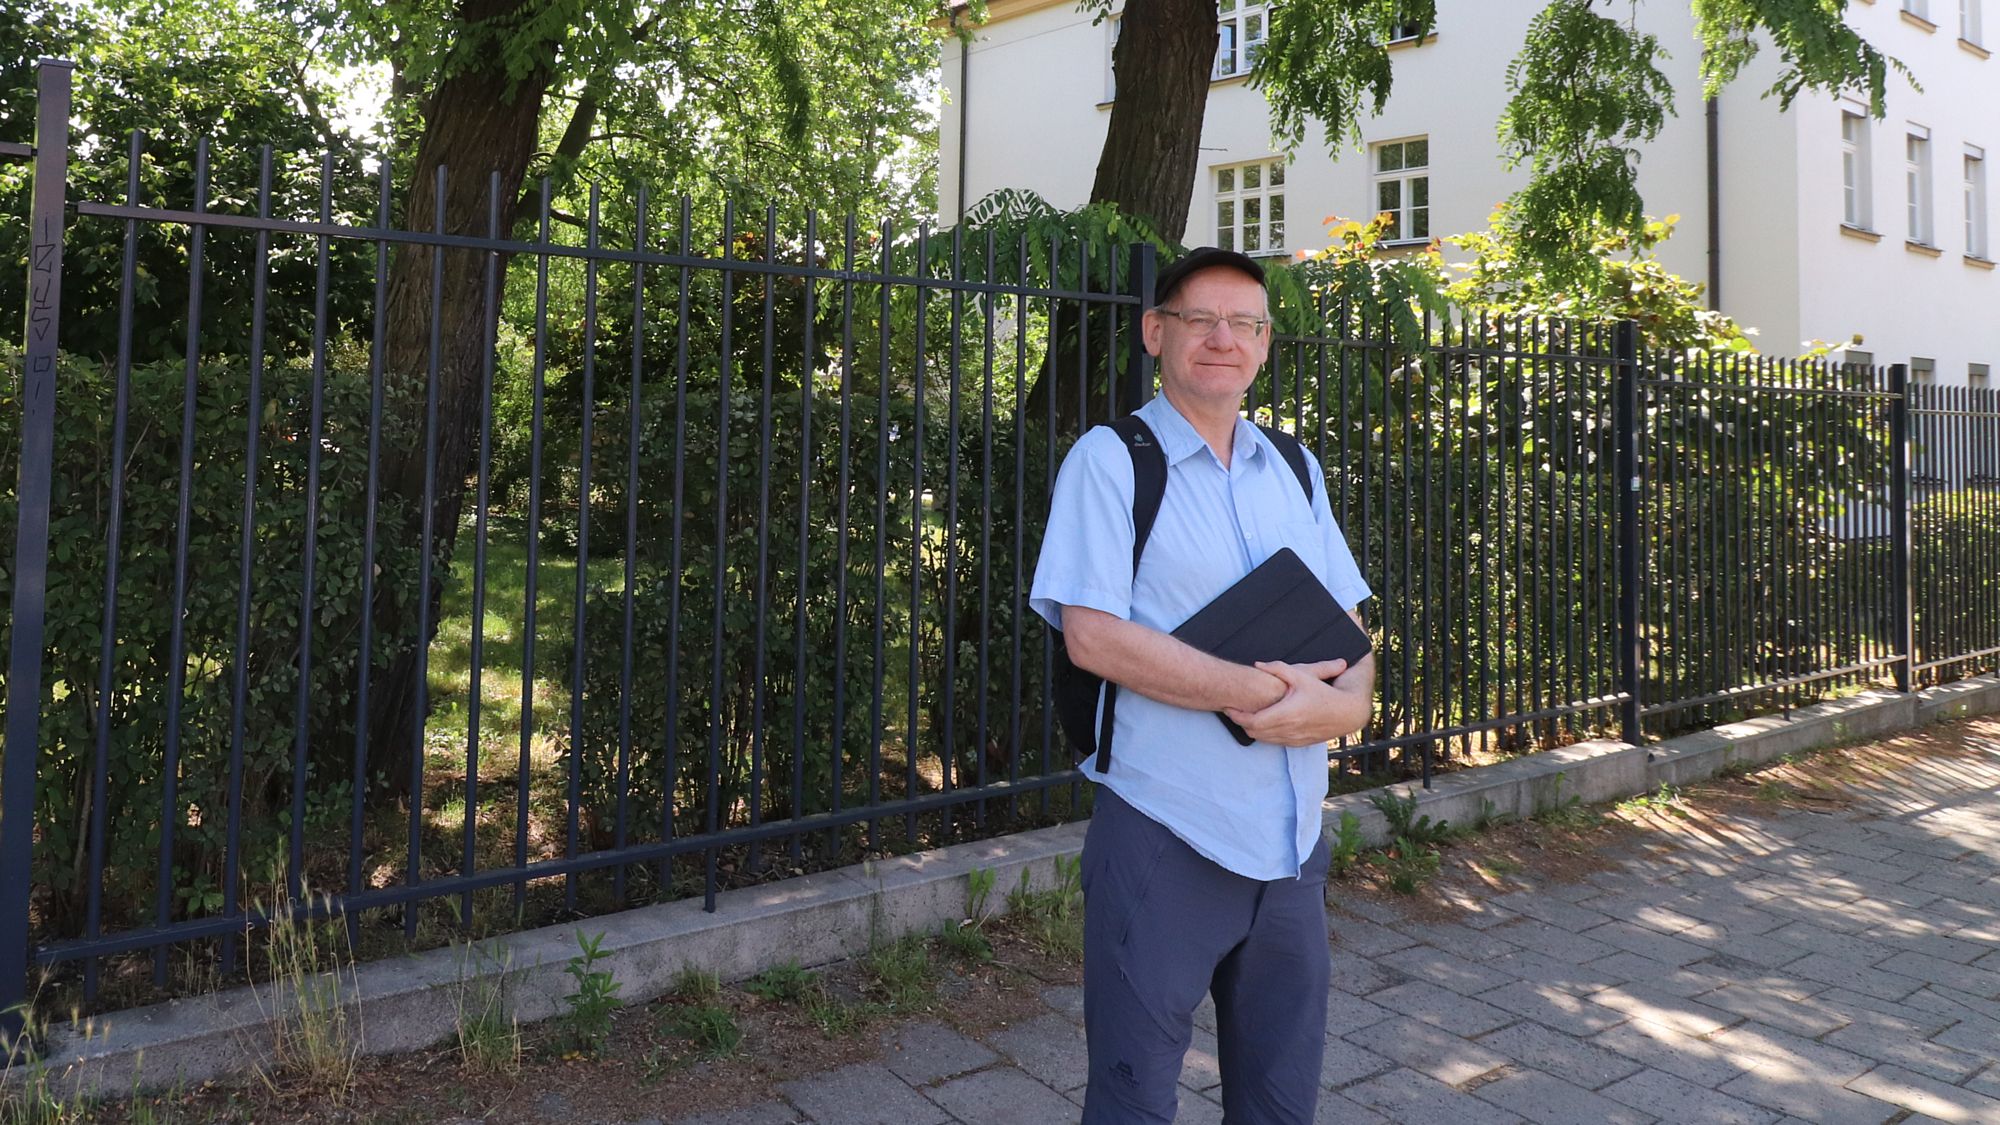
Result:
[
  {"x": 1923, "y": 369},
  {"x": 1239, "y": 36},
  {"x": 1854, "y": 166},
  {"x": 1250, "y": 207},
  {"x": 1968, "y": 21},
  {"x": 1917, "y": 181},
  {"x": 1404, "y": 31},
  {"x": 1978, "y": 373},
  {"x": 1975, "y": 203},
  {"x": 1918, "y": 8},
  {"x": 1403, "y": 188},
  {"x": 1855, "y": 357}
]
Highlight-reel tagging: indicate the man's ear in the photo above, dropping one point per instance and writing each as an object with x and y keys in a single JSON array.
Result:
[{"x": 1152, "y": 329}]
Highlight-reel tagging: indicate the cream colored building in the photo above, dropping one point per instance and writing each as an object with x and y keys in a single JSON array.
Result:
[{"x": 1821, "y": 222}]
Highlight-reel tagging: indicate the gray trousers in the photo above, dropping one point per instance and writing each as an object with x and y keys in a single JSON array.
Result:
[{"x": 1162, "y": 927}]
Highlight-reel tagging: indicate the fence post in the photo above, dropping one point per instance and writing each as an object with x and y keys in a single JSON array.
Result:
[
  {"x": 1625, "y": 422},
  {"x": 31, "y": 543},
  {"x": 1138, "y": 377},
  {"x": 1901, "y": 597}
]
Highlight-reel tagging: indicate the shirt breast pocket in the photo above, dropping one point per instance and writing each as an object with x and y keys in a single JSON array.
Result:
[{"x": 1306, "y": 540}]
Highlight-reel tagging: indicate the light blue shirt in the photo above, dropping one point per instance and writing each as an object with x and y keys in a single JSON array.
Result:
[{"x": 1254, "y": 810}]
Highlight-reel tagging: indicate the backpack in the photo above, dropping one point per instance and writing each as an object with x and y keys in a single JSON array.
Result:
[{"x": 1076, "y": 691}]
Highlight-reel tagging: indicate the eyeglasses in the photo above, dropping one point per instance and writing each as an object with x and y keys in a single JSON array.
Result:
[{"x": 1201, "y": 322}]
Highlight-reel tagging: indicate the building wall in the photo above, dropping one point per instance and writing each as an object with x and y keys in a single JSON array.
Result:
[
  {"x": 1905, "y": 303},
  {"x": 1040, "y": 79}
]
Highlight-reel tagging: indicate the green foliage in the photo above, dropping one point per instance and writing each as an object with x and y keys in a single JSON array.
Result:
[
  {"x": 902, "y": 975},
  {"x": 711, "y": 1028},
  {"x": 1053, "y": 918},
  {"x": 697, "y": 986},
  {"x": 786, "y": 983},
  {"x": 1565, "y": 811},
  {"x": 1404, "y": 823},
  {"x": 1957, "y": 535},
  {"x": 586, "y": 1016},
  {"x": 1345, "y": 850},
  {"x": 1410, "y": 864},
  {"x": 1330, "y": 62},
  {"x": 135, "y": 713},
  {"x": 230, "y": 77},
  {"x": 1625, "y": 281}
]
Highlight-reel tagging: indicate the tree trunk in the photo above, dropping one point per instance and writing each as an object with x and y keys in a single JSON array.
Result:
[
  {"x": 1152, "y": 151},
  {"x": 478, "y": 121},
  {"x": 1165, "y": 52}
]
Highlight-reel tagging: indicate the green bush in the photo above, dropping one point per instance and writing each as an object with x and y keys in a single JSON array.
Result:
[{"x": 137, "y": 711}]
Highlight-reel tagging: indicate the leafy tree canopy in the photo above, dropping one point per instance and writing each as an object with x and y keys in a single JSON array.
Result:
[{"x": 1584, "y": 92}]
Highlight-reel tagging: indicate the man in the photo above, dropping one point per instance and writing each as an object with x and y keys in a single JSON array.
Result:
[{"x": 1204, "y": 868}]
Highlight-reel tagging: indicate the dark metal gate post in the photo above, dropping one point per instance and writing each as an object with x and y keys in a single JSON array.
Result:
[
  {"x": 1902, "y": 603},
  {"x": 31, "y": 543},
  {"x": 1138, "y": 377},
  {"x": 1625, "y": 415}
]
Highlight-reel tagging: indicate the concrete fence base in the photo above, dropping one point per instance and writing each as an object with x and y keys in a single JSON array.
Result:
[{"x": 407, "y": 1003}]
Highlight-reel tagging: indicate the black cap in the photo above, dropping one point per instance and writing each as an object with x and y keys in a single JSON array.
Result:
[{"x": 1200, "y": 258}]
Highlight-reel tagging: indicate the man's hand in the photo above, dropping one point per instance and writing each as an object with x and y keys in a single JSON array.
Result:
[{"x": 1312, "y": 710}]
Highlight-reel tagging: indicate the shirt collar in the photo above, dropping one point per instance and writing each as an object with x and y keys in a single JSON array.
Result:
[{"x": 1177, "y": 436}]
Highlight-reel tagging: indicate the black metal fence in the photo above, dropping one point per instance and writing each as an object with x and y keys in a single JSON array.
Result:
[{"x": 703, "y": 558}]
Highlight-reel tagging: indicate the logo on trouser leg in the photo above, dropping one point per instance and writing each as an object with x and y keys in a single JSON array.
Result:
[{"x": 1123, "y": 1073}]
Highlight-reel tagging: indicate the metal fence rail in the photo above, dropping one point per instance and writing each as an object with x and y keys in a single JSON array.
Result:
[
  {"x": 1955, "y": 530},
  {"x": 702, "y": 558}
]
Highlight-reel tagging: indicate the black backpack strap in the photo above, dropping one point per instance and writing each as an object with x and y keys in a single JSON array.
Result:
[
  {"x": 1149, "y": 486},
  {"x": 1295, "y": 456}
]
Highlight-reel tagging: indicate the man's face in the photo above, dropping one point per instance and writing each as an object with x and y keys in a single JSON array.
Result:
[{"x": 1218, "y": 366}]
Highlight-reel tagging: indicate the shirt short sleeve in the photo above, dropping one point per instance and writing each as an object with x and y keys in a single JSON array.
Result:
[
  {"x": 1086, "y": 554},
  {"x": 1344, "y": 579}
]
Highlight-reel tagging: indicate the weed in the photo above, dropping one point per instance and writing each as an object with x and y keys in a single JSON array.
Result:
[
  {"x": 710, "y": 1027},
  {"x": 317, "y": 1023},
  {"x": 1404, "y": 823},
  {"x": 1773, "y": 792},
  {"x": 32, "y": 1095},
  {"x": 697, "y": 986},
  {"x": 1489, "y": 815},
  {"x": 1666, "y": 799},
  {"x": 1053, "y": 918},
  {"x": 979, "y": 895},
  {"x": 902, "y": 974},
  {"x": 1734, "y": 769},
  {"x": 1499, "y": 867},
  {"x": 489, "y": 1037},
  {"x": 786, "y": 983},
  {"x": 1566, "y": 812},
  {"x": 966, "y": 941},
  {"x": 1410, "y": 865},
  {"x": 1345, "y": 851},
  {"x": 836, "y": 1017},
  {"x": 587, "y": 1022}
]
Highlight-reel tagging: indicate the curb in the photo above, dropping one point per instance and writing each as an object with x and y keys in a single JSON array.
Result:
[{"x": 409, "y": 1003}]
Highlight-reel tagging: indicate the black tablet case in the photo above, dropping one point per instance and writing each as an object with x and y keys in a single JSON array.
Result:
[{"x": 1279, "y": 611}]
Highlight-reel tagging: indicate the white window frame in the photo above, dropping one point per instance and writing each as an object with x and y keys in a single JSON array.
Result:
[
  {"x": 1250, "y": 206},
  {"x": 1917, "y": 186},
  {"x": 1918, "y": 8},
  {"x": 1241, "y": 28},
  {"x": 1409, "y": 180},
  {"x": 1978, "y": 243},
  {"x": 1969, "y": 21},
  {"x": 1112, "y": 26},
  {"x": 1856, "y": 169}
]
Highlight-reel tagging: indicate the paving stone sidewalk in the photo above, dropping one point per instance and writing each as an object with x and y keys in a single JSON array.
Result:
[{"x": 1827, "y": 965}]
